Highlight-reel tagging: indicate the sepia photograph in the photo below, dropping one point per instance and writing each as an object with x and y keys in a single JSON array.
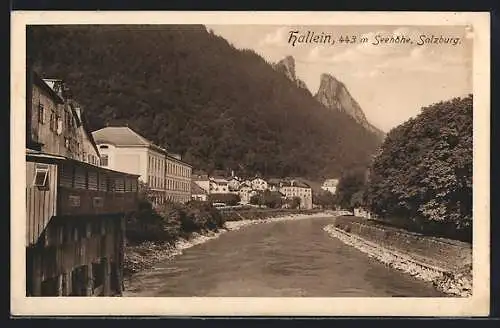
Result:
[{"x": 228, "y": 159}]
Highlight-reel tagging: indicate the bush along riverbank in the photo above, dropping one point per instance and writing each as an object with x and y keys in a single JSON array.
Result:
[
  {"x": 155, "y": 235},
  {"x": 451, "y": 282}
]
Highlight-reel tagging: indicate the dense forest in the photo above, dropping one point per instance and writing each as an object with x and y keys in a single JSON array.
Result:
[
  {"x": 192, "y": 92},
  {"x": 421, "y": 178}
]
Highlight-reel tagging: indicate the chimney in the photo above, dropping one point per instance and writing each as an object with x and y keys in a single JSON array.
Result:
[{"x": 232, "y": 173}]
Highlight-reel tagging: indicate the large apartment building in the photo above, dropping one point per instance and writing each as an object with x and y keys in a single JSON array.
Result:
[
  {"x": 168, "y": 177},
  {"x": 75, "y": 210},
  {"x": 294, "y": 188}
]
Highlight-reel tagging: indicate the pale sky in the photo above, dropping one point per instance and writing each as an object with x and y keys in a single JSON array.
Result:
[{"x": 391, "y": 82}]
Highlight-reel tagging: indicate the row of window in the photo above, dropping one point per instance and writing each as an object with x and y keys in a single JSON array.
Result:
[
  {"x": 56, "y": 122},
  {"x": 157, "y": 165},
  {"x": 162, "y": 199},
  {"x": 169, "y": 184}
]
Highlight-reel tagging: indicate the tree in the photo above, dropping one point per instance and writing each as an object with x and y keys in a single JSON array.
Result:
[
  {"x": 226, "y": 198},
  {"x": 350, "y": 188},
  {"x": 325, "y": 199},
  {"x": 293, "y": 202},
  {"x": 423, "y": 173}
]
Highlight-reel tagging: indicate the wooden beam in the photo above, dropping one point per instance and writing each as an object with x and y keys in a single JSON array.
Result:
[
  {"x": 106, "y": 278},
  {"x": 89, "y": 281}
]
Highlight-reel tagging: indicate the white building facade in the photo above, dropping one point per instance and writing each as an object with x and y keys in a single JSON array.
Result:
[{"x": 123, "y": 149}]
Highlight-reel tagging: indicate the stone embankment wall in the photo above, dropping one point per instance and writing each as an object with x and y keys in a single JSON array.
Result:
[
  {"x": 445, "y": 263},
  {"x": 451, "y": 255}
]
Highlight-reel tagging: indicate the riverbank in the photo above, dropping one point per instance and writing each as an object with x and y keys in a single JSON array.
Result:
[
  {"x": 454, "y": 282},
  {"x": 146, "y": 254}
]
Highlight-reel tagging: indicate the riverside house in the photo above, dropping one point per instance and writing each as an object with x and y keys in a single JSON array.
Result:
[
  {"x": 295, "y": 188},
  {"x": 75, "y": 210},
  {"x": 219, "y": 185},
  {"x": 123, "y": 149}
]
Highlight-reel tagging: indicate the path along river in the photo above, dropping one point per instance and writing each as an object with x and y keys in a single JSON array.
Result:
[{"x": 284, "y": 259}]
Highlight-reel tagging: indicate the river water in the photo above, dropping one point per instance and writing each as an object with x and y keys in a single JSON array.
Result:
[{"x": 284, "y": 259}]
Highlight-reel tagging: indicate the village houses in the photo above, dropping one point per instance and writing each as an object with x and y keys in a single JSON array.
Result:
[{"x": 246, "y": 188}]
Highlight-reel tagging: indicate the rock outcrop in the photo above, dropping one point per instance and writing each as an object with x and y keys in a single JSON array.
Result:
[
  {"x": 286, "y": 66},
  {"x": 334, "y": 95}
]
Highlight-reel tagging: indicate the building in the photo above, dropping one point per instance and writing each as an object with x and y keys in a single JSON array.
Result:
[
  {"x": 202, "y": 181},
  {"x": 330, "y": 185},
  {"x": 245, "y": 192},
  {"x": 75, "y": 210},
  {"x": 218, "y": 185},
  {"x": 274, "y": 184},
  {"x": 259, "y": 184},
  {"x": 296, "y": 188},
  {"x": 55, "y": 122},
  {"x": 167, "y": 176},
  {"x": 198, "y": 193},
  {"x": 233, "y": 184}
]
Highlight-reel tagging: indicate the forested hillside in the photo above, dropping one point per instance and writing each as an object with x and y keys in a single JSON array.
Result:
[{"x": 192, "y": 92}]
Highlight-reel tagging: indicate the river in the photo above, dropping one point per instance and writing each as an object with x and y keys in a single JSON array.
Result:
[{"x": 283, "y": 259}]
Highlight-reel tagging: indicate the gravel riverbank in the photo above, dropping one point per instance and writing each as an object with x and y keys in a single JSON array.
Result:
[{"x": 457, "y": 283}]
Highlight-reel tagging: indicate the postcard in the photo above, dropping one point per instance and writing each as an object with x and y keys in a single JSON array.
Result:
[{"x": 250, "y": 163}]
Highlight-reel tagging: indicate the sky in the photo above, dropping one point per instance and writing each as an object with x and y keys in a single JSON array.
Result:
[{"x": 390, "y": 81}]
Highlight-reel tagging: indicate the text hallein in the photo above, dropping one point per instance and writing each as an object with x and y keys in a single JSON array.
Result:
[{"x": 309, "y": 37}]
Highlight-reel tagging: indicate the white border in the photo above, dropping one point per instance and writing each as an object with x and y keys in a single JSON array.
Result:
[{"x": 477, "y": 305}]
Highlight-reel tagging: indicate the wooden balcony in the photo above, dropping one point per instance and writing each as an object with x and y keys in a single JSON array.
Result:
[{"x": 72, "y": 201}]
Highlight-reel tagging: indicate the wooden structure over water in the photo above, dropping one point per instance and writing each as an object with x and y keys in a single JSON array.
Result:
[{"x": 75, "y": 215}]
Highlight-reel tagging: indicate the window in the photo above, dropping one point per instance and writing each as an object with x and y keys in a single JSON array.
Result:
[
  {"x": 103, "y": 147},
  {"x": 66, "y": 143},
  {"x": 41, "y": 113},
  {"x": 41, "y": 176},
  {"x": 104, "y": 160},
  {"x": 53, "y": 121}
]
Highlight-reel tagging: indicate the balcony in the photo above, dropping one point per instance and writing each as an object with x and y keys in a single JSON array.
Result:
[{"x": 73, "y": 201}]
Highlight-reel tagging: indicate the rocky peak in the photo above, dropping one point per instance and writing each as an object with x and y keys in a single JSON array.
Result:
[
  {"x": 286, "y": 66},
  {"x": 334, "y": 95}
]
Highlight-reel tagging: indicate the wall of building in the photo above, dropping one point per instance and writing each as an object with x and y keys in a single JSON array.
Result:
[
  {"x": 40, "y": 202},
  {"x": 56, "y": 127},
  {"x": 178, "y": 179}
]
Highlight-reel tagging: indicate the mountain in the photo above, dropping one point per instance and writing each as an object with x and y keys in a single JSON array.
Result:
[
  {"x": 192, "y": 92},
  {"x": 287, "y": 66},
  {"x": 334, "y": 95}
]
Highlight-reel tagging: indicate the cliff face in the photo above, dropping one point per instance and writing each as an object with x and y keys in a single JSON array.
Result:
[
  {"x": 332, "y": 93},
  {"x": 286, "y": 66}
]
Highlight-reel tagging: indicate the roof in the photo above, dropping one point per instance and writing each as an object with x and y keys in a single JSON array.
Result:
[
  {"x": 41, "y": 157},
  {"x": 120, "y": 136},
  {"x": 331, "y": 182},
  {"x": 296, "y": 183},
  {"x": 197, "y": 190},
  {"x": 43, "y": 85},
  {"x": 219, "y": 180},
  {"x": 274, "y": 181}
]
